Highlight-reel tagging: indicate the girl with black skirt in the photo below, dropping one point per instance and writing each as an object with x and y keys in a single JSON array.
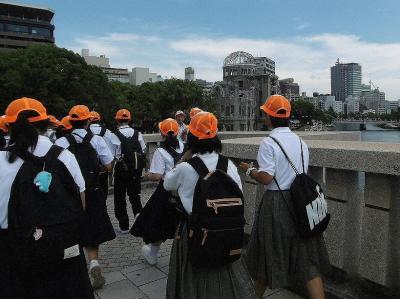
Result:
[
  {"x": 56, "y": 278},
  {"x": 159, "y": 218},
  {"x": 184, "y": 280},
  {"x": 277, "y": 256}
]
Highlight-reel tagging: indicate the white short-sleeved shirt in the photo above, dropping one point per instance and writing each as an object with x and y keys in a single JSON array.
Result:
[
  {"x": 9, "y": 172},
  {"x": 183, "y": 178},
  {"x": 98, "y": 143},
  {"x": 127, "y": 131},
  {"x": 109, "y": 137},
  {"x": 162, "y": 161},
  {"x": 272, "y": 160}
]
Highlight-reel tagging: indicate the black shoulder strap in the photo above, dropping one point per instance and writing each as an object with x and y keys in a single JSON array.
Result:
[
  {"x": 135, "y": 134},
  {"x": 199, "y": 166},
  {"x": 71, "y": 139},
  {"x": 286, "y": 155},
  {"x": 223, "y": 163},
  {"x": 302, "y": 156},
  {"x": 120, "y": 136},
  {"x": 54, "y": 152},
  {"x": 175, "y": 156},
  {"x": 88, "y": 137},
  {"x": 103, "y": 132}
]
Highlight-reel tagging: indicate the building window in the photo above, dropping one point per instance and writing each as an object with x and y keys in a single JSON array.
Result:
[
  {"x": 227, "y": 111},
  {"x": 240, "y": 84},
  {"x": 242, "y": 127},
  {"x": 41, "y": 31},
  {"x": 232, "y": 109},
  {"x": 18, "y": 28},
  {"x": 1, "y": 27}
]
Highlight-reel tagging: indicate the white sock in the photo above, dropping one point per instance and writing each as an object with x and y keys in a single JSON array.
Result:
[
  {"x": 94, "y": 263},
  {"x": 154, "y": 248}
]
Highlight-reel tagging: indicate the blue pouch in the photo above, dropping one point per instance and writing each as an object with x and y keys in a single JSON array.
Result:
[{"x": 43, "y": 181}]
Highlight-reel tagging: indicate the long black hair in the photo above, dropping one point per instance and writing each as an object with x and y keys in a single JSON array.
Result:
[
  {"x": 203, "y": 146},
  {"x": 24, "y": 135},
  {"x": 170, "y": 141}
]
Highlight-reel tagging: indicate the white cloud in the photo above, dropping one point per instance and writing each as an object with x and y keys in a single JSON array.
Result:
[
  {"x": 306, "y": 58},
  {"x": 302, "y": 26}
]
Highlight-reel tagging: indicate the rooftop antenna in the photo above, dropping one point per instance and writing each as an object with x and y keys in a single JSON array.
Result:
[{"x": 338, "y": 61}]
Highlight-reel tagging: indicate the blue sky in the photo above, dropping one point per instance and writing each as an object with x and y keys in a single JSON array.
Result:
[{"x": 304, "y": 37}]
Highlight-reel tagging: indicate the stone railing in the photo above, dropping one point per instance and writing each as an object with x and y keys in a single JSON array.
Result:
[{"x": 362, "y": 183}]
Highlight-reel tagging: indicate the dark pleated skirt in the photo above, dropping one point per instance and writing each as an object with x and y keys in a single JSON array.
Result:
[
  {"x": 276, "y": 254},
  {"x": 96, "y": 224},
  {"x": 65, "y": 280},
  {"x": 159, "y": 218},
  {"x": 186, "y": 282}
]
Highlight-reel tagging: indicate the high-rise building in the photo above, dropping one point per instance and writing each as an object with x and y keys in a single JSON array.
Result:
[
  {"x": 352, "y": 104},
  {"x": 345, "y": 80},
  {"x": 23, "y": 25},
  {"x": 248, "y": 82},
  {"x": 189, "y": 73},
  {"x": 289, "y": 89},
  {"x": 375, "y": 100},
  {"x": 140, "y": 75}
]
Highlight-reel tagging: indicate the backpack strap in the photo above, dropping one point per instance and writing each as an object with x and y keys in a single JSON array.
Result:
[
  {"x": 54, "y": 152},
  {"x": 199, "y": 166},
  {"x": 71, "y": 140},
  {"x": 286, "y": 155},
  {"x": 120, "y": 136},
  {"x": 88, "y": 137},
  {"x": 223, "y": 163},
  {"x": 175, "y": 156},
  {"x": 302, "y": 156},
  {"x": 103, "y": 132}
]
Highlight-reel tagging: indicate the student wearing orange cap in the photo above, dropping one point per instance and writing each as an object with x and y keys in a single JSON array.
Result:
[
  {"x": 276, "y": 254},
  {"x": 184, "y": 279},
  {"x": 128, "y": 169},
  {"x": 112, "y": 142},
  {"x": 64, "y": 128},
  {"x": 89, "y": 150},
  {"x": 3, "y": 131},
  {"x": 35, "y": 171},
  {"x": 159, "y": 219},
  {"x": 180, "y": 118}
]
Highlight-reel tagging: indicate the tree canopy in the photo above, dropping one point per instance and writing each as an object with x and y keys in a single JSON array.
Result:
[{"x": 60, "y": 79}]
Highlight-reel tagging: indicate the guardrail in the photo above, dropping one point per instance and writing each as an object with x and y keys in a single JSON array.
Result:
[{"x": 362, "y": 183}]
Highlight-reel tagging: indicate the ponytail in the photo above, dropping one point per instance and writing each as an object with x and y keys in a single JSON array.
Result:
[
  {"x": 171, "y": 141},
  {"x": 24, "y": 135}
]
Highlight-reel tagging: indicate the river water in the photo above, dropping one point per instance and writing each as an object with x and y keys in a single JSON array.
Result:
[{"x": 373, "y": 133}]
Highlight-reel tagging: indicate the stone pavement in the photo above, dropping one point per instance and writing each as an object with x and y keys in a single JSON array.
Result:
[{"x": 129, "y": 276}]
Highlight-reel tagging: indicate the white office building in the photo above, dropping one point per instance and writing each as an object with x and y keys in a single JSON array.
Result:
[
  {"x": 352, "y": 104},
  {"x": 330, "y": 102}
]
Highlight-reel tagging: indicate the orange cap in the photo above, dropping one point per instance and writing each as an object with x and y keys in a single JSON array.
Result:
[
  {"x": 3, "y": 124},
  {"x": 25, "y": 104},
  {"x": 79, "y": 112},
  {"x": 66, "y": 123},
  {"x": 95, "y": 116},
  {"x": 204, "y": 125},
  {"x": 194, "y": 111},
  {"x": 169, "y": 125},
  {"x": 54, "y": 121},
  {"x": 123, "y": 114},
  {"x": 277, "y": 106}
]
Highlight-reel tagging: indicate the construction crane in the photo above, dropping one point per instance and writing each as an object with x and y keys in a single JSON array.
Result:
[{"x": 373, "y": 85}]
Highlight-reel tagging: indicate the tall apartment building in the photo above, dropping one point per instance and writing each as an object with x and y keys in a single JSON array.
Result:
[
  {"x": 247, "y": 82},
  {"x": 289, "y": 89},
  {"x": 345, "y": 80},
  {"x": 189, "y": 73},
  {"x": 375, "y": 100},
  {"x": 23, "y": 25},
  {"x": 352, "y": 104}
]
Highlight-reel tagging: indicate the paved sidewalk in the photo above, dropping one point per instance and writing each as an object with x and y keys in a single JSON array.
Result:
[{"x": 129, "y": 276}]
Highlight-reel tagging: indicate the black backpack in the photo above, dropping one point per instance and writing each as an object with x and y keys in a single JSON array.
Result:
[
  {"x": 87, "y": 159},
  {"x": 42, "y": 225},
  {"x": 216, "y": 225},
  {"x": 310, "y": 207},
  {"x": 133, "y": 160}
]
